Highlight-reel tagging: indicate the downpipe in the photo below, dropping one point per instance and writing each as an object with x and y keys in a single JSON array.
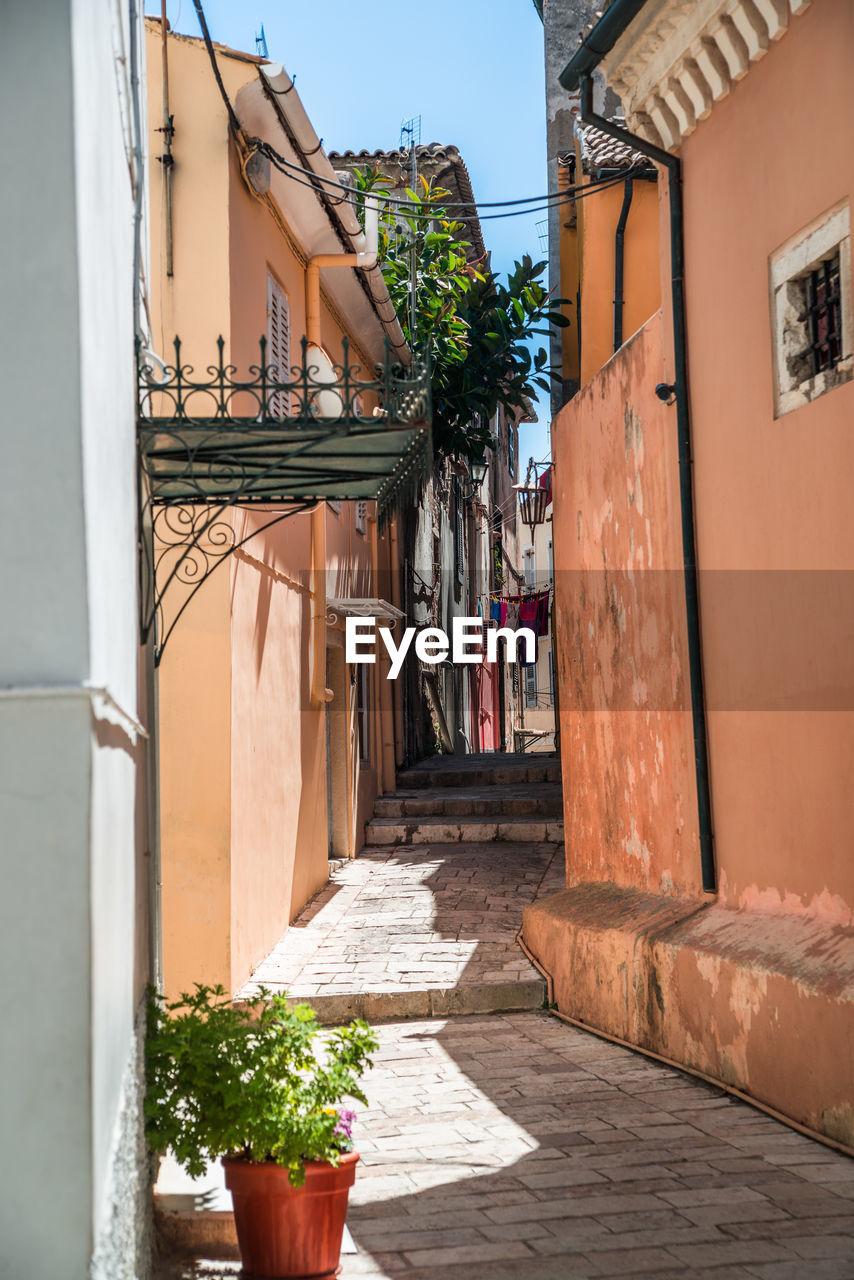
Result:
[{"x": 366, "y": 247}]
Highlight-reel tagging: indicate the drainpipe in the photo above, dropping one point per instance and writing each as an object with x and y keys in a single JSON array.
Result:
[
  {"x": 365, "y": 256},
  {"x": 619, "y": 257},
  {"x": 577, "y": 74}
]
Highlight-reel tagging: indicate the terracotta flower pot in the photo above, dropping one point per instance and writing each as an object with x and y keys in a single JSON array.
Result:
[{"x": 290, "y": 1232}]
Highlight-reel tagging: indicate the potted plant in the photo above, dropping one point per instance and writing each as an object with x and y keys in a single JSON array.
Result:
[{"x": 258, "y": 1086}]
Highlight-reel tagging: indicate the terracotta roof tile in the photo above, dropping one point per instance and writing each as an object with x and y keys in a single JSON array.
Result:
[{"x": 601, "y": 151}]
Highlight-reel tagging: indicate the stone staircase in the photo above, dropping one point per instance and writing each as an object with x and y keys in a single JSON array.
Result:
[
  {"x": 477, "y": 799},
  {"x": 424, "y": 921}
]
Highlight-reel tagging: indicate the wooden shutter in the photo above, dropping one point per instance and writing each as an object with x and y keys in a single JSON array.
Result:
[
  {"x": 278, "y": 344},
  {"x": 362, "y": 518}
]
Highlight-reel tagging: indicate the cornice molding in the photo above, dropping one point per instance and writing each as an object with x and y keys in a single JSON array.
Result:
[{"x": 679, "y": 57}]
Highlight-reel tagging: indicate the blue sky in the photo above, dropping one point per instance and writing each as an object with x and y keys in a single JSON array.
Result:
[{"x": 472, "y": 69}]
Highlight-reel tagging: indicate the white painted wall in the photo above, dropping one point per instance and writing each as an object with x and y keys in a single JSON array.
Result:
[{"x": 72, "y": 916}]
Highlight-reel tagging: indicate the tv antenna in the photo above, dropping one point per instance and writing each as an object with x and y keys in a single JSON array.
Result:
[
  {"x": 261, "y": 43},
  {"x": 410, "y": 140}
]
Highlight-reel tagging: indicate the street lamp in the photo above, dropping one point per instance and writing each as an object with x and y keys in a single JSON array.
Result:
[
  {"x": 533, "y": 498},
  {"x": 478, "y": 468}
]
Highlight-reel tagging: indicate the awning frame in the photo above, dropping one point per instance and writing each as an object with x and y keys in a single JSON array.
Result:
[{"x": 212, "y": 443}]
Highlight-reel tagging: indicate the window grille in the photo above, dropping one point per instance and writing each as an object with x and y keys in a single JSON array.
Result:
[
  {"x": 824, "y": 310},
  {"x": 278, "y": 343}
]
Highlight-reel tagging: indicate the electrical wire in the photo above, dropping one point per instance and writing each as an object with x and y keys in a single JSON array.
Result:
[
  {"x": 430, "y": 215},
  {"x": 539, "y": 204}
]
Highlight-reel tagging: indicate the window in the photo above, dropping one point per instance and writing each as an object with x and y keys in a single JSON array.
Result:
[
  {"x": 459, "y": 533},
  {"x": 362, "y": 712},
  {"x": 530, "y": 567},
  {"x": 811, "y": 311},
  {"x": 531, "y": 685},
  {"x": 511, "y": 450},
  {"x": 278, "y": 344},
  {"x": 824, "y": 316},
  {"x": 361, "y": 518},
  {"x": 551, "y": 564}
]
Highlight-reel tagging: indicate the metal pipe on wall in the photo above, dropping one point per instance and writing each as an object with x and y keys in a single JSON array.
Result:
[{"x": 619, "y": 261}]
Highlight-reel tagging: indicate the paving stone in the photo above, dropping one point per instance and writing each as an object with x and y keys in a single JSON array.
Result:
[{"x": 501, "y": 1144}]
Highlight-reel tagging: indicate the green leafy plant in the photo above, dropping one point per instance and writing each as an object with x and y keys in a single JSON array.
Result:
[
  {"x": 475, "y": 329},
  {"x": 258, "y": 1081}
]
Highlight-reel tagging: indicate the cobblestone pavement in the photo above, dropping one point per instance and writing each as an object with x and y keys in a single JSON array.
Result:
[
  {"x": 414, "y": 930},
  {"x": 514, "y": 1147}
]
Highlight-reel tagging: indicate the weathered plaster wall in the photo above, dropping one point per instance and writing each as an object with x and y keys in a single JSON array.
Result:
[
  {"x": 756, "y": 1000},
  {"x": 629, "y": 789}
]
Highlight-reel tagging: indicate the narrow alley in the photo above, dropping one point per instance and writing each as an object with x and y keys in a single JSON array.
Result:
[{"x": 507, "y": 1144}]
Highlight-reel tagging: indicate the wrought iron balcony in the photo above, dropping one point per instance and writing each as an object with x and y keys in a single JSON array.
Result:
[
  {"x": 280, "y": 439},
  {"x": 316, "y": 430}
]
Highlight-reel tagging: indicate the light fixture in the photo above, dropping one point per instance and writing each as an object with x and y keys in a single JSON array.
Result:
[
  {"x": 478, "y": 468},
  {"x": 533, "y": 498}
]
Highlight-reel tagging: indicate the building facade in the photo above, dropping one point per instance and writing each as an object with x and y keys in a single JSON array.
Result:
[
  {"x": 273, "y": 748},
  {"x": 75, "y": 719},
  {"x": 706, "y": 715}
]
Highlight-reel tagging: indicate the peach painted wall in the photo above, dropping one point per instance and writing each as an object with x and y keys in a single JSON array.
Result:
[
  {"x": 598, "y": 215},
  {"x": 773, "y": 497},
  {"x": 626, "y": 741}
]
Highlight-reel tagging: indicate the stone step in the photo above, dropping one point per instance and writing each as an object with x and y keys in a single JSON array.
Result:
[
  {"x": 429, "y": 1002},
  {"x": 419, "y": 778},
  {"x": 480, "y": 829},
  {"x": 541, "y": 799}
]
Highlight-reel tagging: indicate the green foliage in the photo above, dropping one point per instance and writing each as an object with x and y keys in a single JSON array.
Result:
[
  {"x": 257, "y": 1081},
  {"x": 475, "y": 329}
]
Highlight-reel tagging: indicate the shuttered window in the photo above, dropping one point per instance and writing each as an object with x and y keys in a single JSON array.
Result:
[
  {"x": 278, "y": 344},
  {"x": 362, "y": 518}
]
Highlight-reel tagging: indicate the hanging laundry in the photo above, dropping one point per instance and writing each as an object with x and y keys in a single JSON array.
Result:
[
  {"x": 544, "y": 613},
  {"x": 529, "y": 611},
  {"x": 512, "y": 615}
]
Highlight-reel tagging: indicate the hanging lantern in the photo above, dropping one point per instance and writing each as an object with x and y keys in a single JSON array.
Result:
[{"x": 533, "y": 501}]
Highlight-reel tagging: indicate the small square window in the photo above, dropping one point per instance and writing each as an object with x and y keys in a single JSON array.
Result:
[{"x": 811, "y": 311}]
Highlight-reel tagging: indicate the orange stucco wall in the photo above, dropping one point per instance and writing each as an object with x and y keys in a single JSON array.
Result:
[
  {"x": 243, "y": 754},
  {"x": 626, "y": 741},
  {"x": 598, "y": 215}
]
